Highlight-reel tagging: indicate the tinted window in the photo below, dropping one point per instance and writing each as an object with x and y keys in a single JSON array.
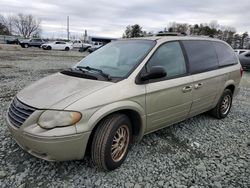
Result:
[
  {"x": 170, "y": 57},
  {"x": 225, "y": 54},
  {"x": 201, "y": 55},
  {"x": 247, "y": 54}
]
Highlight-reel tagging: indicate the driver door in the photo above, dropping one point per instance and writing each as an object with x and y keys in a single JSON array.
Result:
[{"x": 168, "y": 100}]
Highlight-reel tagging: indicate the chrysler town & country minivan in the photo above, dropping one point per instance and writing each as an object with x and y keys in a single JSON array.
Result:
[{"x": 122, "y": 91}]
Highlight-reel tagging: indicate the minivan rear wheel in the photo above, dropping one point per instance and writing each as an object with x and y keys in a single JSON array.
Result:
[
  {"x": 224, "y": 105},
  {"x": 111, "y": 142}
]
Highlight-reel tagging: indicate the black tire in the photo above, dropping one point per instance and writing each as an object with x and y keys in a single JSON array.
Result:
[
  {"x": 26, "y": 45},
  {"x": 106, "y": 136},
  {"x": 49, "y": 48},
  {"x": 221, "y": 111},
  {"x": 67, "y": 49}
]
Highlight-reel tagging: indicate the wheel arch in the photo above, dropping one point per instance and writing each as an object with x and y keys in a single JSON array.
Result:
[
  {"x": 231, "y": 87},
  {"x": 134, "y": 112}
]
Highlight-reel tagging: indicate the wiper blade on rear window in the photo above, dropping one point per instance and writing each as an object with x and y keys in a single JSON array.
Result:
[{"x": 105, "y": 75}]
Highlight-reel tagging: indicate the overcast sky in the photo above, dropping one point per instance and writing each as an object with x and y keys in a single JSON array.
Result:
[{"x": 110, "y": 17}]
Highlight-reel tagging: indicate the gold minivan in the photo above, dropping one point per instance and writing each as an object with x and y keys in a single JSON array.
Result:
[{"x": 121, "y": 92}]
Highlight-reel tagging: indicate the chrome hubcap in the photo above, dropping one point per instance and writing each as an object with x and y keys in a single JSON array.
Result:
[
  {"x": 120, "y": 143},
  {"x": 225, "y": 105}
]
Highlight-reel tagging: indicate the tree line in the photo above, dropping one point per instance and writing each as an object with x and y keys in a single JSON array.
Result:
[
  {"x": 25, "y": 25},
  {"x": 213, "y": 29}
]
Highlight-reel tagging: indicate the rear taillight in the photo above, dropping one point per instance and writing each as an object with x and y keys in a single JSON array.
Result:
[{"x": 241, "y": 71}]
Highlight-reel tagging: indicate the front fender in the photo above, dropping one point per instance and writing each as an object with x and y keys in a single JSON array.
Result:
[{"x": 111, "y": 108}]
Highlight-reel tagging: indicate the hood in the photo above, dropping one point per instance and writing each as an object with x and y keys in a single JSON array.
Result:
[{"x": 58, "y": 91}]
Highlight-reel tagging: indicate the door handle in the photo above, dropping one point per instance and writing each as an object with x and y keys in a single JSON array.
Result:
[
  {"x": 187, "y": 89},
  {"x": 197, "y": 86}
]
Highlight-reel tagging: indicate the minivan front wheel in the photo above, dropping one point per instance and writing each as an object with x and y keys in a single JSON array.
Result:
[
  {"x": 223, "y": 107},
  {"x": 111, "y": 142}
]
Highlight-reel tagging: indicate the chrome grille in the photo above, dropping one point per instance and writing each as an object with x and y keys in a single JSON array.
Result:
[{"x": 18, "y": 112}]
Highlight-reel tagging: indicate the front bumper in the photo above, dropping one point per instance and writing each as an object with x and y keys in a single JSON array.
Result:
[{"x": 62, "y": 148}]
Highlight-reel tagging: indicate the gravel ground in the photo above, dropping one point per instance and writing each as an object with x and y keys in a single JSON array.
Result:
[{"x": 199, "y": 152}]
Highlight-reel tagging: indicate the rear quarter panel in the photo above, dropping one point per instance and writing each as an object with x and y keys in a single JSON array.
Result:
[{"x": 231, "y": 76}]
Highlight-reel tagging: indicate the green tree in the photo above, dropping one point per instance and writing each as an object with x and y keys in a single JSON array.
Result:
[{"x": 133, "y": 31}]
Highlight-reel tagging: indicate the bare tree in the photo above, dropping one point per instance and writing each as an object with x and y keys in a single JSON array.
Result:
[
  {"x": 26, "y": 25},
  {"x": 214, "y": 24},
  {"x": 7, "y": 21}
]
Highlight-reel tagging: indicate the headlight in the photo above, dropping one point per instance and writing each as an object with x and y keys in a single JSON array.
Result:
[{"x": 53, "y": 118}]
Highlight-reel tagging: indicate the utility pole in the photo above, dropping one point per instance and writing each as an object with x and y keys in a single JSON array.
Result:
[
  {"x": 68, "y": 27},
  {"x": 85, "y": 35}
]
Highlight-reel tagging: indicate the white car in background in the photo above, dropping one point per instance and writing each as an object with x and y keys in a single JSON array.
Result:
[
  {"x": 80, "y": 44},
  {"x": 58, "y": 45}
]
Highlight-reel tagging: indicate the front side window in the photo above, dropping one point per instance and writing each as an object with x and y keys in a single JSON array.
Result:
[
  {"x": 171, "y": 58},
  {"x": 201, "y": 55},
  {"x": 118, "y": 58}
]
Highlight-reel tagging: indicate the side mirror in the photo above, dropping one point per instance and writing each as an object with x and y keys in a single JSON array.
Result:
[{"x": 154, "y": 73}]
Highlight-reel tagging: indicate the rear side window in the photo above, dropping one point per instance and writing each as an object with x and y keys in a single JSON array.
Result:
[
  {"x": 248, "y": 54},
  {"x": 201, "y": 55},
  {"x": 225, "y": 54}
]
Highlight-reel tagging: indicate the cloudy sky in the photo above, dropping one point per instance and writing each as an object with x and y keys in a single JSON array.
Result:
[{"x": 110, "y": 17}]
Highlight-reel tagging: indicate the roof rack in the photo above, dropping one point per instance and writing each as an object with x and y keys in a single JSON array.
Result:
[{"x": 160, "y": 34}]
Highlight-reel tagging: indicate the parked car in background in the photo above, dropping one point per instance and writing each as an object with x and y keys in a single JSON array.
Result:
[
  {"x": 92, "y": 49},
  {"x": 76, "y": 43},
  {"x": 58, "y": 45},
  {"x": 81, "y": 45},
  {"x": 31, "y": 43},
  {"x": 11, "y": 40},
  {"x": 127, "y": 89},
  {"x": 84, "y": 47},
  {"x": 240, "y": 51},
  {"x": 245, "y": 60},
  {"x": 95, "y": 46}
]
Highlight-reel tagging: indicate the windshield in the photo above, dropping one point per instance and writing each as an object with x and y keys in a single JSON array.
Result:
[{"x": 118, "y": 58}]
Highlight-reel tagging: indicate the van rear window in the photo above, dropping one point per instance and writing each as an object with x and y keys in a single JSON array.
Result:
[
  {"x": 225, "y": 54},
  {"x": 201, "y": 55}
]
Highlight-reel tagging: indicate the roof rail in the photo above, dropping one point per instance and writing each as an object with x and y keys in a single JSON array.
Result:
[{"x": 170, "y": 34}]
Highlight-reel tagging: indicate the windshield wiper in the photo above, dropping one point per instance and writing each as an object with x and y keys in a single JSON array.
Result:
[{"x": 105, "y": 75}]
